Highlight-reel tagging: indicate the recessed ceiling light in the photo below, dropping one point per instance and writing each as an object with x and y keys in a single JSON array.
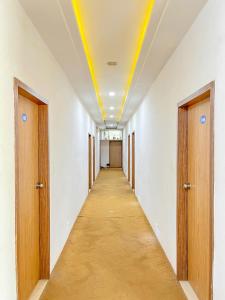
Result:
[
  {"x": 112, "y": 63},
  {"x": 111, "y": 116},
  {"x": 112, "y": 108},
  {"x": 112, "y": 94}
]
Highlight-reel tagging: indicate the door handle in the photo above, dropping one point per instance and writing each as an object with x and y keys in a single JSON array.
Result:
[
  {"x": 187, "y": 186},
  {"x": 39, "y": 185}
]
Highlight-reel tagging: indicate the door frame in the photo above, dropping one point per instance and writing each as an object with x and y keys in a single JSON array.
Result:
[
  {"x": 207, "y": 91},
  {"x": 93, "y": 149},
  {"x": 44, "y": 197},
  {"x": 133, "y": 160},
  {"x": 89, "y": 161},
  {"x": 128, "y": 158}
]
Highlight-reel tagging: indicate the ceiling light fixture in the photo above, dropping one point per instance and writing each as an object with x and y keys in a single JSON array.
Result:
[
  {"x": 112, "y": 94},
  {"x": 141, "y": 38},
  {"x": 88, "y": 56},
  {"x": 112, "y": 108},
  {"x": 112, "y": 63},
  {"x": 111, "y": 116}
]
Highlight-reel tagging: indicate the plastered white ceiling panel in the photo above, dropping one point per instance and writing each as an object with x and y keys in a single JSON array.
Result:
[{"x": 112, "y": 28}]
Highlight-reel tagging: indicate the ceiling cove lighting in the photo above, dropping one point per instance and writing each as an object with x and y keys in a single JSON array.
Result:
[
  {"x": 141, "y": 38},
  {"x": 88, "y": 56}
]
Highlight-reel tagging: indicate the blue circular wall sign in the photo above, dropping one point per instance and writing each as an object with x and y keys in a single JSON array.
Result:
[
  {"x": 24, "y": 117},
  {"x": 203, "y": 119}
]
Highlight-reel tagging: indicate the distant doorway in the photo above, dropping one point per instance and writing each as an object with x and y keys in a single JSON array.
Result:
[
  {"x": 32, "y": 189},
  {"x": 128, "y": 163},
  {"x": 133, "y": 160},
  {"x": 89, "y": 162},
  {"x": 195, "y": 191},
  {"x": 115, "y": 154}
]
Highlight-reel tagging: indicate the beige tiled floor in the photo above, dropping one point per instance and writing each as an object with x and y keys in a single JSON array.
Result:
[{"x": 112, "y": 252}]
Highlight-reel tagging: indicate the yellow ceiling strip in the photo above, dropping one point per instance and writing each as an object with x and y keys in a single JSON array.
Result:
[
  {"x": 88, "y": 56},
  {"x": 136, "y": 56}
]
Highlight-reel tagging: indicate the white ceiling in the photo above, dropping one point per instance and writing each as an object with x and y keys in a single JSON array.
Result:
[{"x": 112, "y": 29}]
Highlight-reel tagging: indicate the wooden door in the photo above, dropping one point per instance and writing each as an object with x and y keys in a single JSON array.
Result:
[
  {"x": 93, "y": 158},
  {"x": 28, "y": 206},
  {"x": 195, "y": 191},
  {"x": 128, "y": 163},
  {"x": 133, "y": 160},
  {"x": 115, "y": 154},
  {"x": 199, "y": 206},
  {"x": 89, "y": 162},
  {"x": 32, "y": 190}
]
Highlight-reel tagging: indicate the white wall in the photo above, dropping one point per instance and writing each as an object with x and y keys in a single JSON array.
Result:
[
  {"x": 24, "y": 55},
  {"x": 125, "y": 151},
  {"x": 104, "y": 153},
  {"x": 199, "y": 59},
  {"x": 97, "y": 152}
]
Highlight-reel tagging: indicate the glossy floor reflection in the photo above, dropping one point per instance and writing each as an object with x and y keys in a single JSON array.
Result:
[{"x": 112, "y": 253}]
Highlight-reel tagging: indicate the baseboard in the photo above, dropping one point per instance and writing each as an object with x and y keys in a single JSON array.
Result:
[
  {"x": 189, "y": 292},
  {"x": 38, "y": 290}
]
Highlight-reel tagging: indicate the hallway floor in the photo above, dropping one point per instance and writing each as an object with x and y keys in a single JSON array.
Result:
[{"x": 112, "y": 252}]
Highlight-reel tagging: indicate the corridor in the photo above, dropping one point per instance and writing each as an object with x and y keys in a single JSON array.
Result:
[
  {"x": 112, "y": 252},
  {"x": 112, "y": 145}
]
